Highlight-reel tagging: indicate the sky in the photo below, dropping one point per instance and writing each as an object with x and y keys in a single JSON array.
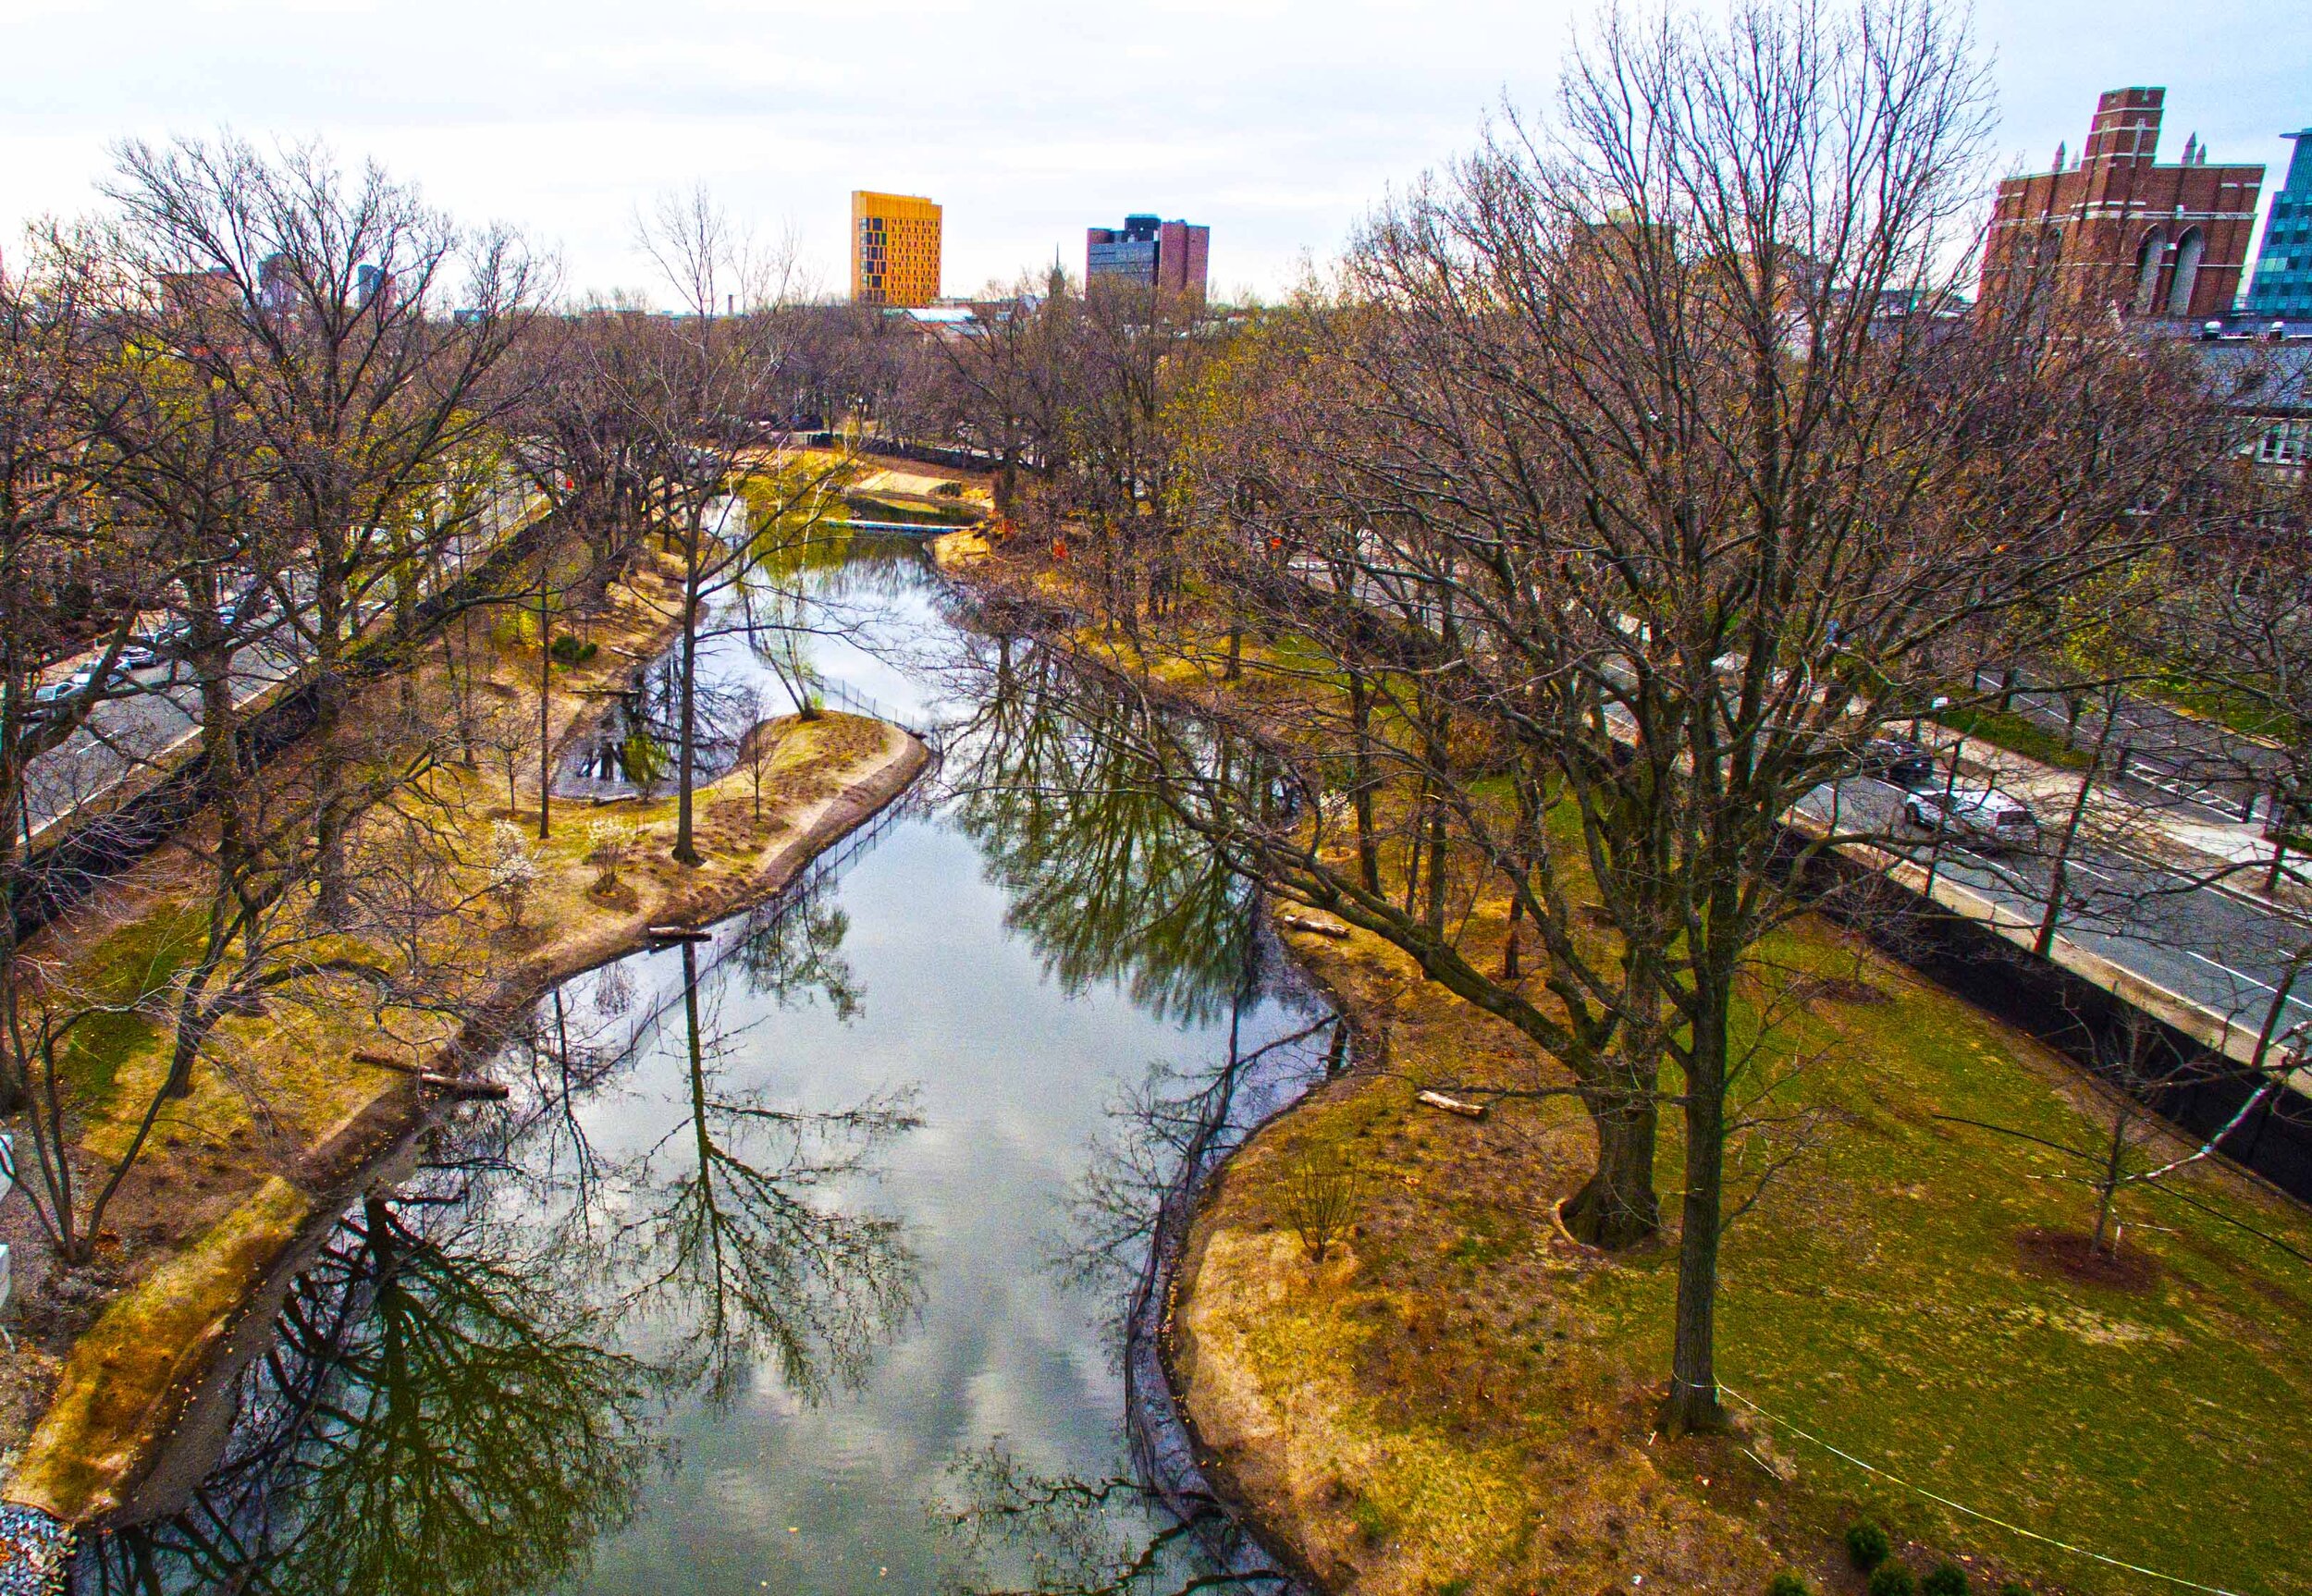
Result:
[{"x": 1278, "y": 123}]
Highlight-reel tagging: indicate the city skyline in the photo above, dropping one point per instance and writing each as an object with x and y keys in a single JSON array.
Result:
[{"x": 565, "y": 124}]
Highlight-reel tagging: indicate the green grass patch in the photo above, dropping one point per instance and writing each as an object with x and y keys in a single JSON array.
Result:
[
  {"x": 868, "y": 507},
  {"x": 130, "y": 970},
  {"x": 2017, "y": 734},
  {"x": 1883, "y": 1298},
  {"x": 2247, "y": 717},
  {"x": 1892, "y": 1293}
]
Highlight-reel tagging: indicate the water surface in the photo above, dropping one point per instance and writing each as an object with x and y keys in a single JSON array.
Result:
[{"x": 800, "y": 1260}]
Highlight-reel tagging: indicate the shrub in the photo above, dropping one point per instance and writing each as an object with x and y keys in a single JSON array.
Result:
[
  {"x": 1323, "y": 1192},
  {"x": 1944, "y": 1579},
  {"x": 949, "y": 490},
  {"x": 571, "y": 649},
  {"x": 1892, "y": 1579},
  {"x": 1787, "y": 1584},
  {"x": 1867, "y": 1544},
  {"x": 607, "y": 845}
]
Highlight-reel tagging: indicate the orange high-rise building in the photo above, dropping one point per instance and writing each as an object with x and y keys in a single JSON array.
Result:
[{"x": 894, "y": 249}]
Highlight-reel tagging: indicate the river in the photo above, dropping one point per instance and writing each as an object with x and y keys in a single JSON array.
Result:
[{"x": 803, "y": 1259}]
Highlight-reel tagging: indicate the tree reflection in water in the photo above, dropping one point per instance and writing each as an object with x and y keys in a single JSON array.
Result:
[
  {"x": 733, "y": 1248},
  {"x": 454, "y": 1399},
  {"x": 433, "y": 1416},
  {"x": 1099, "y": 872},
  {"x": 1064, "y": 1535},
  {"x": 1111, "y": 886}
]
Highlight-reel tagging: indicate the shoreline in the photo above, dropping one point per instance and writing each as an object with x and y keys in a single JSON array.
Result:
[{"x": 111, "y": 1421}]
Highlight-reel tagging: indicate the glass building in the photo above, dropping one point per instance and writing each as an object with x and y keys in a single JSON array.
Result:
[{"x": 2282, "y": 286}]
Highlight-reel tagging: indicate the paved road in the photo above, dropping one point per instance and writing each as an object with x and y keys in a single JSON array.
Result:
[
  {"x": 2228, "y": 955},
  {"x": 148, "y": 720},
  {"x": 2205, "y": 770}
]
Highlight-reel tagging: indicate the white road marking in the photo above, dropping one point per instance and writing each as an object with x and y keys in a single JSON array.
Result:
[{"x": 2242, "y": 976}]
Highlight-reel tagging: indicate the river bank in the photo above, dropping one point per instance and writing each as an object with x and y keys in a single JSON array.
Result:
[
  {"x": 248, "y": 1165},
  {"x": 1460, "y": 1398}
]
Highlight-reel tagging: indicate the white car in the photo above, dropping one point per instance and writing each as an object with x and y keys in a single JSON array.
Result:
[{"x": 1977, "y": 814}]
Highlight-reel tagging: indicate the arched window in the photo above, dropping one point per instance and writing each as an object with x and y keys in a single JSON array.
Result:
[
  {"x": 2148, "y": 255},
  {"x": 2188, "y": 251}
]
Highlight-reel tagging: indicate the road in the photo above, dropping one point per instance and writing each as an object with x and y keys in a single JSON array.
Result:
[
  {"x": 2207, "y": 771},
  {"x": 2226, "y": 953},
  {"x": 149, "y": 721}
]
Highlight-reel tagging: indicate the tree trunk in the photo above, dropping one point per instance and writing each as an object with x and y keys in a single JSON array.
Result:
[
  {"x": 1616, "y": 1208},
  {"x": 1361, "y": 783},
  {"x": 1693, "y": 1404},
  {"x": 2108, "y": 1188},
  {"x": 2058, "y": 868},
  {"x": 546, "y": 702},
  {"x": 332, "y": 897},
  {"x": 686, "y": 750}
]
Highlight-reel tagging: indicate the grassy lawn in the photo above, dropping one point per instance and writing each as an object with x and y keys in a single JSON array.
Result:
[
  {"x": 1462, "y": 1399},
  {"x": 2016, "y": 733}
]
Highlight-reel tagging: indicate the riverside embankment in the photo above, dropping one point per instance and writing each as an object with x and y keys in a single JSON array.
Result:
[
  {"x": 217, "y": 1213},
  {"x": 810, "y": 1246}
]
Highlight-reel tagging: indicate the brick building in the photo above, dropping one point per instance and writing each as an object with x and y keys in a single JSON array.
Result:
[
  {"x": 2154, "y": 241},
  {"x": 1168, "y": 256}
]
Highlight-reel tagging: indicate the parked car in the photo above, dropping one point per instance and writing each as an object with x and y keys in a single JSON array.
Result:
[
  {"x": 1898, "y": 760},
  {"x": 1977, "y": 814}
]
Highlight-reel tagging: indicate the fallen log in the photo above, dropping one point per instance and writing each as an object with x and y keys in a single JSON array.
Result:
[
  {"x": 462, "y": 1086},
  {"x": 679, "y": 934},
  {"x": 1453, "y": 1105},
  {"x": 433, "y": 1080},
  {"x": 1322, "y": 927}
]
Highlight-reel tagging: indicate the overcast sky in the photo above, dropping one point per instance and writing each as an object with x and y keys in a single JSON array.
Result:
[{"x": 1278, "y": 122}]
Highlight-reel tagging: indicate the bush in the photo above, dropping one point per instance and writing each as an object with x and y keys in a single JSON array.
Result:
[
  {"x": 1892, "y": 1579},
  {"x": 570, "y": 649},
  {"x": 1787, "y": 1584},
  {"x": 1867, "y": 1544},
  {"x": 1323, "y": 1194},
  {"x": 1944, "y": 1580},
  {"x": 949, "y": 490}
]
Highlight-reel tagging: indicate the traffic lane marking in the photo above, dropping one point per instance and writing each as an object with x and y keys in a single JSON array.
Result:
[{"x": 2244, "y": 976}]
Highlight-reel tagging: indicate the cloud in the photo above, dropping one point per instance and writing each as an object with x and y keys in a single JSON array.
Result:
[{"x": 1277, "y": 122}]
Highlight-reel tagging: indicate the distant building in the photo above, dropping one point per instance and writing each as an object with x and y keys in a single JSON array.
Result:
[
  {"x": 2154, "y": 241},
  {"x": 1167, "y": 256},
  {"x": 2282, "y": 288},
  {"x": 894, "y": 249}
]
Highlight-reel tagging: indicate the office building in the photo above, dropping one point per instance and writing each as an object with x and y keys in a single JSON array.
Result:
[
  {"x": 1167, "y": 256},
  {"x": 2116, "y": 226},
  {"x": 894, "y": 249},
  {"x": 2282, "y": 287}
]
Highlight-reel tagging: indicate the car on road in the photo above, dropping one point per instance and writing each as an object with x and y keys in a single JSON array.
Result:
[
  {"x": 1982, "y": 815},
  {"x": 54, "y": 698},
  {"x": 1898, "y": 761}
]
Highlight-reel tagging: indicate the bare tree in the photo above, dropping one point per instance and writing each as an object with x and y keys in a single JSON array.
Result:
[
  {"x": 709, "y": 381},
  {"x": 360, "y": 329},
  {"x": 1637, "y": 465}
]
